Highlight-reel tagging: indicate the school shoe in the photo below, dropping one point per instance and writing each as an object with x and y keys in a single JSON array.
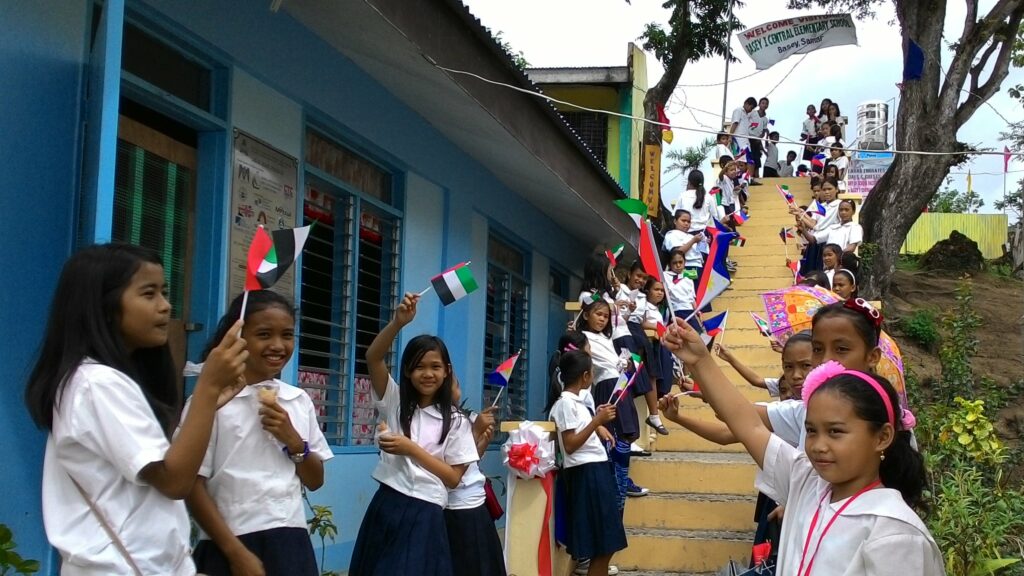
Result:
[
  {"x": 583, "y": 566},
  {"x": 636, "y": 491},
  {"x": 636, "y": 450},
  {"x": 657, "y": 425}
]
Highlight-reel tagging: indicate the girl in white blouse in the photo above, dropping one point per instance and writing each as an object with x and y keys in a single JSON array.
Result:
[{"x": 849, "y": 494}]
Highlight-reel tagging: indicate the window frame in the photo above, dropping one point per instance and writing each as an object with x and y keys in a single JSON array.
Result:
[
  {"x": 524, "y": 276},
  {"x": 360, "y": 201}
]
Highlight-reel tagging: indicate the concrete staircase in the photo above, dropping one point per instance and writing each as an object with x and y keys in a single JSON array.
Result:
[{"x": 699, "y": 514}]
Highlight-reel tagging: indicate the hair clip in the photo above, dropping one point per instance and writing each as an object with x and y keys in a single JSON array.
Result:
[
  {"x": 570, "y": 347},
  {"x": 863, "y": 307}
]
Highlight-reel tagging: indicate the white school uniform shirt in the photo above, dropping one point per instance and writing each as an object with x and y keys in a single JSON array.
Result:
[
  {"x": 249, "y": 477},
  {"x": 810, "y": 127},
  {"x": 403, "y": 473},
  {"x": 104, "y": 433},
  {"x": 570, "y": 412},
  {"x": 700, "y": 218},
  {"x": 742, "y": 119},
  {"x": 771, "y": 156},
  {"x": 683, "y": 296},
  {"x": 677, "y": 238},
  {"x": 830, "y": 273},
  {"x": 654, "y": 315},
  {"x": 831, "y": 215},
  {"x": 602, "y": 352},
  {"x": 786, "y": 171},
  {"x": 722, "y": 150},
  {"x": 841, "y": 234},
  {"x": 638, "y": 313},
  {"x": 729, "y": 195},
  {"x": 787, "y": 418},
  {"x": 842, "y": 164},
  {"x": 772, "y": 385},
  {"x": 877, "y": 534},
  {"x": 619, "y": 316},
  {"x": 469, "y": 493}
]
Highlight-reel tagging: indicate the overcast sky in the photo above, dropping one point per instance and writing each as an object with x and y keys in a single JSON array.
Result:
[{"x": 556, "y": 33}]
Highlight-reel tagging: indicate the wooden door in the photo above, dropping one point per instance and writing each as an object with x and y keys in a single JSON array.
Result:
[{"x": 154, "y": 207}]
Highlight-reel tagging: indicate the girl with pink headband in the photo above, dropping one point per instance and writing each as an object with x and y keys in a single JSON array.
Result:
[{"x": 849, "y": 495}]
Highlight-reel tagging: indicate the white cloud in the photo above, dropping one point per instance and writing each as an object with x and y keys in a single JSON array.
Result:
[{"x": 596, "y": 33}]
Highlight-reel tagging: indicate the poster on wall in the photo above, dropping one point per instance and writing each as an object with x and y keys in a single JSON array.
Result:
[
  {"x": 263, "y": 181},
  {"x": 364, "y": 414},
  {"x": 866, "y": 169}
]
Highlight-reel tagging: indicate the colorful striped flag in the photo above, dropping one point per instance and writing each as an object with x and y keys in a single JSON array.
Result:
[
  {"x": 818, "y": 160},
  {"x": 715, "y": 277},
  {"x": 817, "y": 208},
  {"x": 503, "y": 372},
  {"x": 634, "y": 207},
  {"x": 270, "y": 255},
  {"x": 1006, "y": 159},
  {"x": 715, "y": 326},
  {"x": 739, "y": 218},
  {"x": 784, "y": 191},
  {"x": 739, "y": 241},
  {"x": 762, "y": 325},
  {"x": 454, "y": 283},
  {"x": 614, "y": 254}
]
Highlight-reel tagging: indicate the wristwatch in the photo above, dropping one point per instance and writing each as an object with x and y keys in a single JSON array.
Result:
[{"x": 299, "y": 457}]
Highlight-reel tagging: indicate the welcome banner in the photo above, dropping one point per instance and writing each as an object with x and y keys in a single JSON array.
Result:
[{"x": 773, "y": 42}]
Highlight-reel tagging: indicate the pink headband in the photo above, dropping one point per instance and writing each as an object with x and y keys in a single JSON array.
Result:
[{"x": 831, "y": 369}]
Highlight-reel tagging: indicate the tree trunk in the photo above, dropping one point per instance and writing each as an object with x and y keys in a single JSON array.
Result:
[{"x": 903, "y": 192}]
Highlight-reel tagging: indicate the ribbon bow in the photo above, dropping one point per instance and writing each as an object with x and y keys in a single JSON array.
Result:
[
  {"x": 529, "y": 451},
  {"x": 523, "y": 457}
]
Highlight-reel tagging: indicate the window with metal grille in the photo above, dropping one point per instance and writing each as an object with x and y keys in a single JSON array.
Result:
[
  {"x": 151, "y": 203},
  {"x": 507, "y": 329},
  {"x": 592, "y": 128},
  {"x": 349, "y": 292}
]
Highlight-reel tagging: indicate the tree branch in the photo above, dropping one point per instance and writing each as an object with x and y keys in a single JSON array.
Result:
[
  {"x": 970, "y": 20},
  {"x": 1003, "y": 37}
]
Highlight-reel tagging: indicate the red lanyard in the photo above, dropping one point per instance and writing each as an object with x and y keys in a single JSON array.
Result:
[{"x": 814, "y": 522}]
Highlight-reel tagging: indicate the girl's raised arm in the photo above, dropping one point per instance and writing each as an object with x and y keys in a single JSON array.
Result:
[
  {"x": 378, "y": 350},
  {"x": 735, "y": 410}
]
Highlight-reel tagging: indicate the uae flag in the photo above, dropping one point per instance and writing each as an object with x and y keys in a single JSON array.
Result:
[
  {"x": 454, "y": 283},
  {"x": 634, "y": 207},
  {"x": 270, "y": 255}
]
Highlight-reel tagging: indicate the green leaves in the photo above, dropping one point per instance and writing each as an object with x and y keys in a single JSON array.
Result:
[{"x": 10, "y": 561}]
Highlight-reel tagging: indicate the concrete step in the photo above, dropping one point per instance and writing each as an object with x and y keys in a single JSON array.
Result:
[
  {"x": 695, "y": 472},
  {"x": 671, "y": 511},
  {"x": 686, "y": 441},
  {"x": 686, "y": 550}
]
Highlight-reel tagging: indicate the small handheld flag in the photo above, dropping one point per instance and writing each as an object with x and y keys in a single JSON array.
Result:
[
  {"x": 614, "y": 254},
  {"x": 784, "y": 192},
  {"x": 785, "y": 234},
  {"x": 715, "y": 326},
  {"x": 270, "y": 255},
  {"x": 715, "y": 276},
  {"x": 1006, "y": 159},
  {"x": 762, "y": 325},
  {"x": 634, "y": 207},
  {"x": 817, "y": 208},
  {"x": 739, "y": 241},
  {"x": 739, "y": 218},
  {"x": 453, "y": 284},
  {"x": 818, "y": 160},
  {"x": 502, "y": 374}
]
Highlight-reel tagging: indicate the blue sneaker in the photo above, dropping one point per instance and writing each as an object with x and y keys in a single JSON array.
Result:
[{"x": 636, "y": 491}]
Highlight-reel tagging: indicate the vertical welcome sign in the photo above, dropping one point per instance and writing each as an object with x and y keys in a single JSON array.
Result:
[{"x": 772, "y": 42}]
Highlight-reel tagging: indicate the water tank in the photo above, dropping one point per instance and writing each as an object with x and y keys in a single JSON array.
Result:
[{"x": 873, "y": 125}]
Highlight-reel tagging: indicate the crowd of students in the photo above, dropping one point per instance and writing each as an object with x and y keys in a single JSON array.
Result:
[{"x": 835, "y": 449}]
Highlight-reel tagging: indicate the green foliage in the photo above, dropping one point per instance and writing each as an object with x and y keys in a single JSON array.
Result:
[
  {"x": 322, "y": 524},
  {"x": 697, "y": 29},
  {"x": 959, "y": 345},
  {"x": 976, "y": 516},
  {"x": 867, "y": 253},
  {"x": 689, "y": 159},
  {"x": 952, "y": 201},
  {"x": 517, "y": 56},
  {"x": 10, "y": 561},
  {"x": 1017, "y": 61},
  {"x": 921, "y": 327}
]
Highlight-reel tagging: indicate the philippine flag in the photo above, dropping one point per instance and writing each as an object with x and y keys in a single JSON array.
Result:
[
  {"x": 715, "y": 276},
  {"x": 818, "y": 160}
]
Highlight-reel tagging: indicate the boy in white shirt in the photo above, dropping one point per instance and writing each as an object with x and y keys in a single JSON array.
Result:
[
  {"x": 771, "y": 156},
  {"x": 786, "y": 171}
]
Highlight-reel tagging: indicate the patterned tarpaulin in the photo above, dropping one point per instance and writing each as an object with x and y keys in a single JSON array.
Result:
[{"x": 790, "y": 311}]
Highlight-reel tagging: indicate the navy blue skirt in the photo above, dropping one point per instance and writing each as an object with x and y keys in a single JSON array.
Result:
[
  {"x": 663, "y": 363},
  {"x": 626, "y": 425},
  {"x": 283, "y": 551},
  {"x": 476, "y": 550},
  {"x": 812, "y": 258},
  {"x": 595, "y": 522},
  {"x": 401, "y": 535}
]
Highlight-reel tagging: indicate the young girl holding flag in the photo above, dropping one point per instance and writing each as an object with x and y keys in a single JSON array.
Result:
[
  {"x": 106, "y": 390},
  {"x": 265, "y": 448},
  {"x": 595, "y": 521},
  {"x": 849, "y": 494},
  {"x": 426, "y": 446}
]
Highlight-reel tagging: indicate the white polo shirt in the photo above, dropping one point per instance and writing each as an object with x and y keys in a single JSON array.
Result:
[
  {"x": 602, "y": 352},
  {"x": 841, "y": 234},
  {"x": 681, "y": 291},
  {"x": 787, "y": 418},
  {"x": 743, "y": 119},
  {"x": 402, "y": 472},
  {"x": 619, "y": 317},
  {"x": 104, "y": 434},
  {"x": 249, "y": 477},
  {"x": 469, "y": 493},
  {"x": 570, "y": 413}
]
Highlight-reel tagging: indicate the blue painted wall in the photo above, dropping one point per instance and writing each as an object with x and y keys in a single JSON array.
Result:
[
  {"x": 451, "y": 203},
  {"x": 41, "y": 55}
]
